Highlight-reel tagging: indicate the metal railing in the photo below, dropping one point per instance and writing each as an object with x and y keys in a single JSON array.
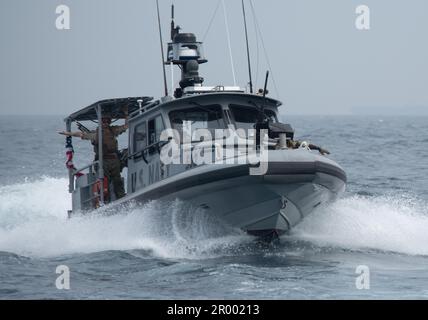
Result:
[
  {"x": 92, "y": 172},
  {"x": 90, "y": 166}
]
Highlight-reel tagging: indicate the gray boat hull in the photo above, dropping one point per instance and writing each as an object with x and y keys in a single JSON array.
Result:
[{"x": 296, "y": 182}]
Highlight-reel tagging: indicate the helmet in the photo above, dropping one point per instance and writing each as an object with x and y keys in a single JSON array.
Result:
[{"x": 106, "y": 118}]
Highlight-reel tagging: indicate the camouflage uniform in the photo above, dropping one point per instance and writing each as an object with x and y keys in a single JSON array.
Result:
[
  {"x": 111, "y": 161},
  {"x": 295, "y": 144}
]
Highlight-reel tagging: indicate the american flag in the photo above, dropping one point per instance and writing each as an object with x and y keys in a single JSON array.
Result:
[{"x": 69, "y": 152}]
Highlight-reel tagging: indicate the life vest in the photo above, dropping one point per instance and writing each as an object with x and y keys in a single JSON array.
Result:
[{"x": 110, "y": 145}]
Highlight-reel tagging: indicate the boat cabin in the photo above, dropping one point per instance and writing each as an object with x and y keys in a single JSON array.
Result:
[
  {"x": 148, "y": 118},
  {"x": 155, "y": 123}
]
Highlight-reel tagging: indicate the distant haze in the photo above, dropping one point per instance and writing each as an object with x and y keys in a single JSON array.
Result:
[{"x": 321, "y": 63}]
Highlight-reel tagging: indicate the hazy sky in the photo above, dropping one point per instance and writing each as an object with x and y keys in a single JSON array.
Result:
[{"x": 321, "y": 63}]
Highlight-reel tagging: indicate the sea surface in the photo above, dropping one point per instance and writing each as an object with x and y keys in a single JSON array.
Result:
[{"x": 164, "y": 251}]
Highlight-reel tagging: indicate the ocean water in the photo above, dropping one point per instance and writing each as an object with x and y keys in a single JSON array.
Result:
[{"x": 166, "y": 251}]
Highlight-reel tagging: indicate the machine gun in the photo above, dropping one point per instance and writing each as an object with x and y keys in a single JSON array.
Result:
[{"x": 82, "y": 128}]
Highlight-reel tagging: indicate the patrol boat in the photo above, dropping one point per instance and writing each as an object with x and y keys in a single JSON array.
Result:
[{"x": 252, "y": 181}]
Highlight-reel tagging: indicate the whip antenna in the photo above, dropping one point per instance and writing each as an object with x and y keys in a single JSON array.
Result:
[
  {"x": 248, "y": 48},
  {"x": 228, "y": 42},
  {"x": 162, "y": 53}
]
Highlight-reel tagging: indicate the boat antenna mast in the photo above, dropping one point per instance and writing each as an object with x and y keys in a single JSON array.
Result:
[
  {"x": 248, "y": 47},
  {"x": 262, "y": 120},
  {"x": 174, "y": 29},
  {"x": 161, "y": 47},
  {"x": 265, "y": 91},
  {"x": 187, "y": 53}
]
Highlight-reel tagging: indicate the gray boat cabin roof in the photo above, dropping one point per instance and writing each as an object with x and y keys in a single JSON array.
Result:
[
  {"x": 207, "y": 98},
  {"x": 113, "y": 107},
  {"x": 228, "y": 96}
]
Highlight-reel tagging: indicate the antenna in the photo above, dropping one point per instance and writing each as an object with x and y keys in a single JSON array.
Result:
[
  {"x": 266, "y": 82},
  {"x": 174, "y": 29},
  {"x": 161, "y": 45},
  {"x": 262, "y": 110},
  {"x": 265, "y": 91},
  {"x": 172, "y": 22},
  {"x": 261, "y": 121},
  {"x": 228, "y": 42},
  {"x": 173, "y": 33},
  {"x": 248, "y": 48}
]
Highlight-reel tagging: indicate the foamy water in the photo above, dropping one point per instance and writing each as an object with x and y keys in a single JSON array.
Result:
[
  {"x": 170, "y": 251},
  {"x": 33, "y": 222},
  {"x": 397, "y": 224},
  {"x": 38, "y": 226}
]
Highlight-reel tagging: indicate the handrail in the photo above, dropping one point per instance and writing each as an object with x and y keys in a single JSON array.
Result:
[
  {"x": 86, "y": 167},
  {"x": 144, "y": 109},
  {"x": 90, "y": 199},
  {"x": 156, "y": 145}
]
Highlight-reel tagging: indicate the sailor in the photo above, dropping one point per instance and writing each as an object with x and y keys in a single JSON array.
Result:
[
  {"x": 295, "y": 144},
  {"x": 111, "y": 159}
]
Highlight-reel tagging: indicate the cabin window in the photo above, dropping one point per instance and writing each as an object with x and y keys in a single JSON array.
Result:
[
  {"x": 246, "y": 117},
  {"x": 198, "y": 117},
  {"x": 155, "y": 127},
  {"x": 140, "y": 137}
]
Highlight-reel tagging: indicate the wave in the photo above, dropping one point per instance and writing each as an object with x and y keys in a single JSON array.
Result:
[
  {"x": 33, "y": 222},
  {"x": 387, "y": 223}
]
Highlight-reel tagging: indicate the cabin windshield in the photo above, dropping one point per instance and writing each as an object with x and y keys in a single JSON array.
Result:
[
  {"x": 198, "y": 117},
  {"x": 246, "y": 117}
]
